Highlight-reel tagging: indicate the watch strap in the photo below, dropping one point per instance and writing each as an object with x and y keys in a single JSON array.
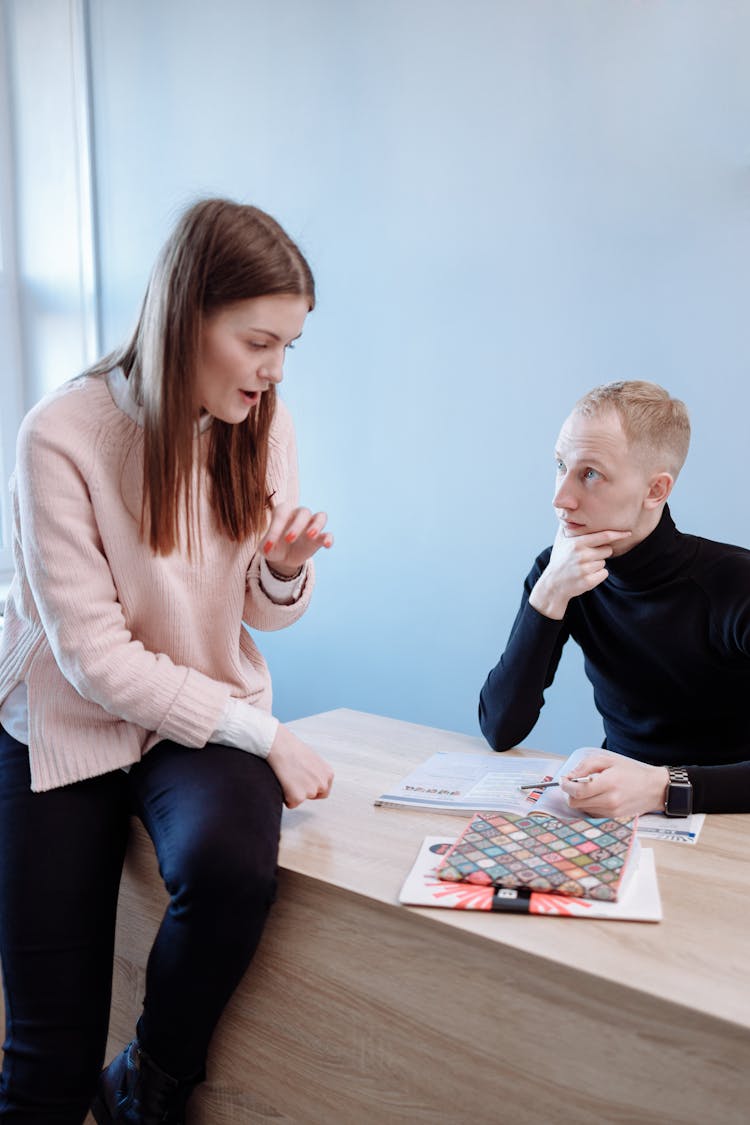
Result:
[{"x": 678, "y": 800}]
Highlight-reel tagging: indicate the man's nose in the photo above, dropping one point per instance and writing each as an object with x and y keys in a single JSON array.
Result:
[{"x": 565, "y": 496}]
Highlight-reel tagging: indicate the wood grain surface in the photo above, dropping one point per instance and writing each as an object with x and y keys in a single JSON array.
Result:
[{"x": 357, "y": 1010}]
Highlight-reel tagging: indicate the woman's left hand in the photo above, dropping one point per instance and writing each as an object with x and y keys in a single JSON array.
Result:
[
  {"x": 294, "y": 535},
  {"x": 619, "y": 786}
]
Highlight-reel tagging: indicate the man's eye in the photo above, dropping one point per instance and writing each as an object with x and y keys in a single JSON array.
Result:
[
  {"x": 290, "y": 346},
  {"x": 560, "y": 466},
  {"x": 590, "y": 474}
]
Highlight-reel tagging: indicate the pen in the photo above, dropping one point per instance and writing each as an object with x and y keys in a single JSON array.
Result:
[{"x": 552, "y": 784}]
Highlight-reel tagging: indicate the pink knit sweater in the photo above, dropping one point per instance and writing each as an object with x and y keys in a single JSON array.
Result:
[{"x": 120, "y": 648}]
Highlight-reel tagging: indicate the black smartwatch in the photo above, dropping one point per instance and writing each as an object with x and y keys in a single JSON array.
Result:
[{"x": 679, "y": 798}]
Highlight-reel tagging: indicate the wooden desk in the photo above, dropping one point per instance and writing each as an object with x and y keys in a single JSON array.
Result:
[{"x": 357, "y": 1010}]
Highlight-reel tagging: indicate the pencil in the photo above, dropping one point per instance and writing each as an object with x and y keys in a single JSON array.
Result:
[{"x": 553, "y": 784}]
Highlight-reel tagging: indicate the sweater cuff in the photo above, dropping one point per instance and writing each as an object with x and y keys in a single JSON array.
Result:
[
  {"x": 247, "y": 728},
  {"x": 279, "y": 590}
]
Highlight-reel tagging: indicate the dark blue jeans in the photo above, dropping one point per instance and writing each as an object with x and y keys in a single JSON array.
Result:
[{"x": 214, "y": 816}]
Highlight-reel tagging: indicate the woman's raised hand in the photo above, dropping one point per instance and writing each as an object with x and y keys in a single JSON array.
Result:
[{"x": 294, "y": 535}]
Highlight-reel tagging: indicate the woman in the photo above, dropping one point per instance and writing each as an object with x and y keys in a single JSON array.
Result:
[{"x": 155, "y": 506}]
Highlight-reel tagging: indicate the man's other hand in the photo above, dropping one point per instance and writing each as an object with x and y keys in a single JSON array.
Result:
[{"x": 619, "y": 786}]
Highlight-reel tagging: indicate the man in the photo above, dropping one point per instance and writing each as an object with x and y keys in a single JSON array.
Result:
[{"x": 663, "y": 620}]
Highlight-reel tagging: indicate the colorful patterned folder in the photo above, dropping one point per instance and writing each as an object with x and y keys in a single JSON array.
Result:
[{"x": 584, "y": 858}]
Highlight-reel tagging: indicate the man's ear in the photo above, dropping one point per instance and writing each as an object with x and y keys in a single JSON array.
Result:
[{"x": 659, "y": 488}]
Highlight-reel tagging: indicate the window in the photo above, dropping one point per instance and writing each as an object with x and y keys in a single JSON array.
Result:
[
  {"x": 48, "y": 289},
  {"x": 10, "y": 352}
]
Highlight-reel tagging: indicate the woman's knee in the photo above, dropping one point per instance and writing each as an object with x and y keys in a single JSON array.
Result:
[
  {"x": 215, "y": 821},
  {"x": 222, "y": 875}
]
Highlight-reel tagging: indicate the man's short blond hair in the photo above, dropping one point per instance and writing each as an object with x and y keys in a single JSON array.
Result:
[{"x": 652, "y": 420}]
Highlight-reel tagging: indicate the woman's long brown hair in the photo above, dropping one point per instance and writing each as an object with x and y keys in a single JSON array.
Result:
[{"x": 219, "y": 253}]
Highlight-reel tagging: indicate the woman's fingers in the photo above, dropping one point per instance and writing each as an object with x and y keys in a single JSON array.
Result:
[{"x": 289, "y": 526}]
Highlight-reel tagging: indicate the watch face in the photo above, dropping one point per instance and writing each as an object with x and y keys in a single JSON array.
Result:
[{"x": 679, "y": 799}]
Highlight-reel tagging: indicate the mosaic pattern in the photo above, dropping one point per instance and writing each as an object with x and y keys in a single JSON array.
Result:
[{"x": 584, "y": 858}]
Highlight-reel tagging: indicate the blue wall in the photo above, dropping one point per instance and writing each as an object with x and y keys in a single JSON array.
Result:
[{"x": 504, "y": 203}]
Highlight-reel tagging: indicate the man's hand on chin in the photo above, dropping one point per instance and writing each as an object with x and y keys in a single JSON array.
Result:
[{"x": 576, "y": 565}]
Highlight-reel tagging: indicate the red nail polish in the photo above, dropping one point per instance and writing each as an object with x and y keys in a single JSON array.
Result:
[
  {"x": 289, "y": 537},
  {"x": 312, "y": 532},
  {"x": 268, "y": 547}
]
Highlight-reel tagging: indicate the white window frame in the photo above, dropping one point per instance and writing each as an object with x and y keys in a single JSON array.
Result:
[
  {"x": 27, "y": 31},
  {"x": 10, "y": 338}
]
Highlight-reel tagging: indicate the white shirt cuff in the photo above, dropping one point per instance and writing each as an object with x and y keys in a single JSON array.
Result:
[
  {"x": 247, "y": 728},
  {"x": 279, "y": 590}
]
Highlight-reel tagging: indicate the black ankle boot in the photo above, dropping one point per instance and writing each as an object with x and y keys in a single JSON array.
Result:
[{"x": 134, "y": 1091}]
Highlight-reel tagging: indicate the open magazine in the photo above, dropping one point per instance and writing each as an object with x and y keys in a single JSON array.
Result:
[{"x": 465, "y": 782}]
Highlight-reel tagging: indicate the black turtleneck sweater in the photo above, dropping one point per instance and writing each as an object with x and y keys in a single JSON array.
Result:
[{"x": 666, "y": 641}]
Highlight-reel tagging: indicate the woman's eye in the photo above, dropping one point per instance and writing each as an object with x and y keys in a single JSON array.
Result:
[{"x": 256, "y": 344}]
